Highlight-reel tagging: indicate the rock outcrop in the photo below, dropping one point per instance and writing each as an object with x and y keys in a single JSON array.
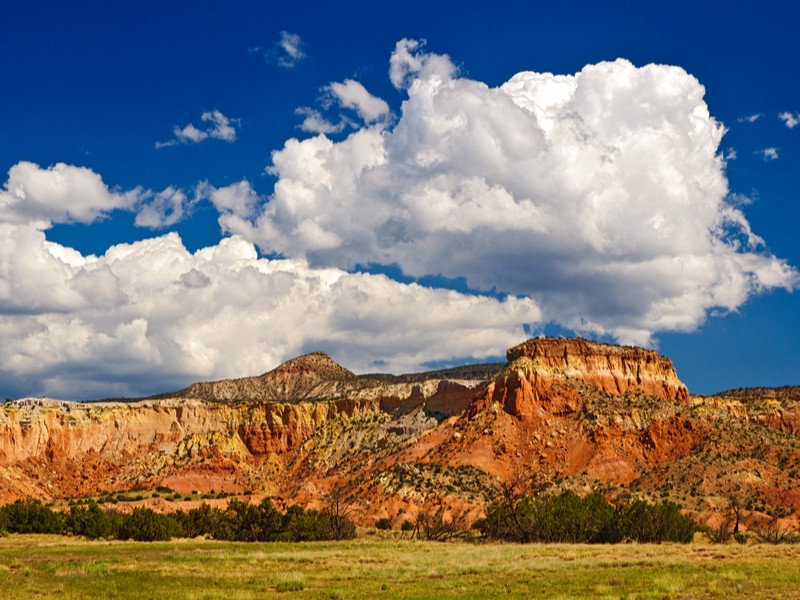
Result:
[
  {"x": 550, "y": 375},
  {"x": 609, "y": 368},
  {"x": 309, "y": 377}
]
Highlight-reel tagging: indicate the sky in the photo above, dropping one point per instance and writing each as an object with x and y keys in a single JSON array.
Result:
[{"x": 202, "y": 190}]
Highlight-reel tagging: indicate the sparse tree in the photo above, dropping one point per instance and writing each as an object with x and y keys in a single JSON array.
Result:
[{"x": 339, "y": 509}]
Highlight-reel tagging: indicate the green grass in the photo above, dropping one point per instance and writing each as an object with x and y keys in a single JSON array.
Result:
[{"x": 51, "y": 566}]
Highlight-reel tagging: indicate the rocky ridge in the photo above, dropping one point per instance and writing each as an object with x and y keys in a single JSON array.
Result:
[{"x": 561, "y": 412}]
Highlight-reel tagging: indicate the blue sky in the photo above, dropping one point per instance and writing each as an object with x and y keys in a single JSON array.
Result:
[{"x": 109, "y": 92}]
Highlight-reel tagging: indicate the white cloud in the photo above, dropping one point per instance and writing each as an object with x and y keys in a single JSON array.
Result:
[
  {"x": 237, "y": 199},
  {"x": 190, "y": 133},
  {"x": 750, "y": 118},
  {"x": 218, "y": 127},
  {"x": 601, "y": 195},
  {"x": 290, "y": 50},
  {"x": 314, "y": 122},
  {"x": 731, "y": 154},
  {"x": 791, "y": 119},
  {"x": 58, "y": 194},
  {"x": 162, "y": 209},
  {"x": 348, "y": 94},
  {"x": 596, "y": 200},
  {"x": 769, "y": 154},
  {"x": 351, "y": 94},
  {"x": 408, "y": 64},
  {"x": 221, "y": 127},
  {"x": 151, "y": 316}
]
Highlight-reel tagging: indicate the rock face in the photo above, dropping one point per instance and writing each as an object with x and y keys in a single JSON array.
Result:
[
  {"x": 778, "y": 408},
  {"x": 572, "y": 411},
  {"x": 607, "y": 367},
  {"x": 549, "y": 373},
  {"x": 202, "y": 432}
]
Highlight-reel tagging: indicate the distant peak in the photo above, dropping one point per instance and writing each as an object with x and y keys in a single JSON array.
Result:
[{"x": 318, "y": 363}]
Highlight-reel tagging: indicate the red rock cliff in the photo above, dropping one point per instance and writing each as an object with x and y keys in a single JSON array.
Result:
[{"x": 547, "y": 374}]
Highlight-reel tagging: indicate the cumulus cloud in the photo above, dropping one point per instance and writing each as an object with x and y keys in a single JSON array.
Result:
[
  {"x": 351, "y": 94},
  {"x": 163, "y": 209},
  {"x": 217, "y": 126},
  {"x": 408, "y": 63},
  {"x": 235, "y": 203},
  {"x": 315, "y": 122},
  {"x": 769, "y": 154},
  {"x": 151, "y": 316},
  {"x": 791, "y": 119},
  {"x": 597, "y": 201},
  {"x": 601, "y": 195},
  {"x": 58, "y": 194}
]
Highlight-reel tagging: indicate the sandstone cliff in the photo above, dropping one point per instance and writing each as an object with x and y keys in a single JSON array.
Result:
[{"x": 565, "y": 412}]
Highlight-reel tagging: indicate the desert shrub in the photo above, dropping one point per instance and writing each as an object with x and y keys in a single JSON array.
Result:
[
  {"x": 774, "y": 532},
  {"x": 383, "y": 524},
  {"x": 407, "y": 525},
  {"x": 254, "y": 522},
  {"x": 205, "y": 521},
  {"x": 437, "y": 526},
  {"x": 146, "y": 525},
  {"x": 92, "y": 522},
  {"x": 567, "y": 517},
  {"x": 31, "y": 517},
  {"x": 721, "y": 534},
  {"x": 641, "y": 521},
  {"x": 305, "y": 525},
  {"x": 239, "y": 522}
]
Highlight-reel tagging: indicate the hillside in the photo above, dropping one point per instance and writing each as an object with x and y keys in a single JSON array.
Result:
[{"x": 564, "y": 413}]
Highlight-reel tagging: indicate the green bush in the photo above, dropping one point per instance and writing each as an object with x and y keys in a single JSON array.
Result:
[
  {"x": 31, "y": 517},
  {"x": 205, "y": 521},
  {"x": 383, "y": 524},
  {"x": 240, "y": 522},
  {"x": 567, "y": 517},
  {"x": 92, "y": 522},
  {"x": 146, "y": 525}
]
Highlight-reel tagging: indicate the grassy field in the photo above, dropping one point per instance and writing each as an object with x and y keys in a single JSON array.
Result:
[{"x": 50, "y": 566}]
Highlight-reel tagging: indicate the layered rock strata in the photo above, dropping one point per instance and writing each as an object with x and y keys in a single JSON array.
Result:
[
  {"x": 550, "y": 374},
  {"x": 566, "y": 410}
]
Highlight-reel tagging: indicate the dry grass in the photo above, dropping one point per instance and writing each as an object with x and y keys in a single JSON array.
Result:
[{"x": 47, "y": 566}]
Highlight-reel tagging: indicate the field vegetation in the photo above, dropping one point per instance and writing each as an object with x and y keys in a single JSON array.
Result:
[
  {"x": 391, "y": 567},
  {"x": 564, "y": 518}
]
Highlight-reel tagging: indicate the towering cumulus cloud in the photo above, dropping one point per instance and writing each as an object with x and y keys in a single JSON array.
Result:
[
  {"x": 597, "y": 201},
  {"x": 600, "y": 195}
]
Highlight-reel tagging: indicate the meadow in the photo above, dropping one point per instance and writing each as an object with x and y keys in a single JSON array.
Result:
[{"x": 369, "y": 567}]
